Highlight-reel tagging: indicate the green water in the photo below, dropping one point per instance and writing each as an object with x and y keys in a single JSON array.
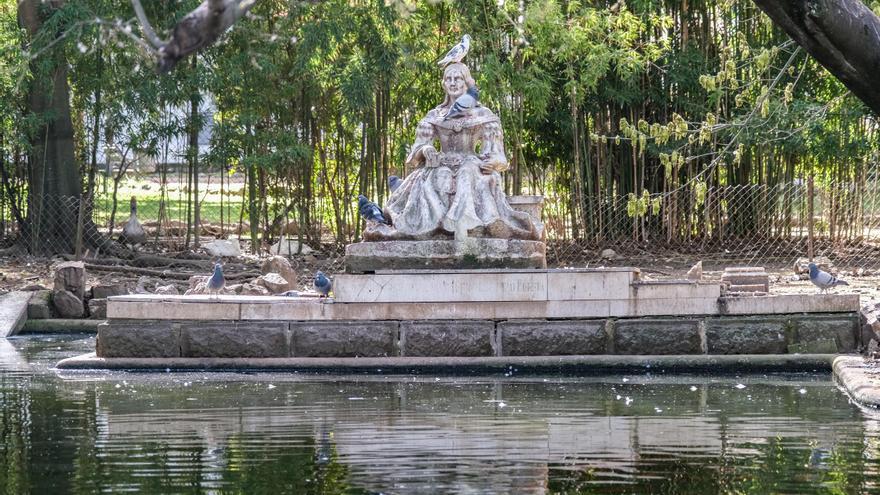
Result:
[{"x": 89, "y": 432}]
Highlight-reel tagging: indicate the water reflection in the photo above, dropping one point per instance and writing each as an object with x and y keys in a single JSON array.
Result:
[{"x": 289, "y": 433}]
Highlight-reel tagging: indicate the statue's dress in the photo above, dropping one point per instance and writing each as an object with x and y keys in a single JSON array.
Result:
[{"x": 452, "y": 196}]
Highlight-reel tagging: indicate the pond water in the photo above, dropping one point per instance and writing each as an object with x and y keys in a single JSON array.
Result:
[{"x": 85, "y": 432}]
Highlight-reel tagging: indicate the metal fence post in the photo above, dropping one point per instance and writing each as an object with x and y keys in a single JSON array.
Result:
[{"x": 810, "y": 216}]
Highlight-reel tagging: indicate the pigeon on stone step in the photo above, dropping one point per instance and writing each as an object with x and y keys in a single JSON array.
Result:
[
  {"x": 394, "y": 182},
  {"x": 217, "y": 281},
  {"x": 370, "y": 211},
  {"x": 695, "y": 274},
  {"x": 822, "y": 279},
  {"x": 322, "y": 284}
]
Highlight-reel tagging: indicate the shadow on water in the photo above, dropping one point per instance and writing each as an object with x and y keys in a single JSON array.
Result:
[{"x": 85, "y": 432}]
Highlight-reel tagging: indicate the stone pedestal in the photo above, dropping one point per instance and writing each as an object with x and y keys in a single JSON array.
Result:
[{"x": 367, "y": 257}]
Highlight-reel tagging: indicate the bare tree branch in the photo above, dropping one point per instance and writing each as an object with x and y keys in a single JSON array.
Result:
[
  {"x": 146, "y": 27},
  {"x": 200, "y": 28}
]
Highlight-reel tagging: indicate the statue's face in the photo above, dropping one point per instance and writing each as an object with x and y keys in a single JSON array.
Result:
[{"x": 454, "y": 84}]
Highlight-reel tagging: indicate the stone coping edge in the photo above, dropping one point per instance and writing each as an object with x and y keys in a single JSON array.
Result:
[
  {"x": 59, "y": 325},
  {"x": 861, "y": 381},
  {"x": 469, "y": 365}
]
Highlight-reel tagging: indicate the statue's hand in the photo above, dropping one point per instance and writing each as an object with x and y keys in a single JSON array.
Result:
[
  {"x": 431, "y": 157},
  {"x": 486, "y": 167}
]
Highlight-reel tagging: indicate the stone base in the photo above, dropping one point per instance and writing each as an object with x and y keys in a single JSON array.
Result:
[{"x": 366, "y": 257}]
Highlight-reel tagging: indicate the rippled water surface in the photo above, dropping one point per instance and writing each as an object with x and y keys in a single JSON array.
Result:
[{"x": 90, "y": 432}]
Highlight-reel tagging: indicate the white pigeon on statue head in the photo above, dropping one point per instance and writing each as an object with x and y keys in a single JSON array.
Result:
[{"x": 457, "y": 53}]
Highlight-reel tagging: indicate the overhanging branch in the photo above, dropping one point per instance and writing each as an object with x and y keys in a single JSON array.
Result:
[{"x": 842, "y": 35}]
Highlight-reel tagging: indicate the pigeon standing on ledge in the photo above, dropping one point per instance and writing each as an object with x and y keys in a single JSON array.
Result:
[
  {"x": 217, "y": 281},
  {"x": 463, "y": 103},
  {"x": 322, "y": 284},
  {"x": 370, "y": 211},
  {"x": 823, "y": 280},
  {"x": 457, "y": 53}
]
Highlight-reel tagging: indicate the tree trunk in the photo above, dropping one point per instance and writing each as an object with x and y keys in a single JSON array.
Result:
[
  {"x": 842, "y": 35},
  {"x": 53, "y": 175}
]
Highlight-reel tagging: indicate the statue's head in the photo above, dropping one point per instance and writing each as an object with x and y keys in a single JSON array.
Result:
[{"x": 456, "y": 80}]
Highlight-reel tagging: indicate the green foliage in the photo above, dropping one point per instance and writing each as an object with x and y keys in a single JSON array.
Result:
[{"x": 320, "y": 100}]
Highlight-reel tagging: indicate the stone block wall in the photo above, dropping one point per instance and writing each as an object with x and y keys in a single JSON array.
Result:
[{"x": 778, "y": 334}]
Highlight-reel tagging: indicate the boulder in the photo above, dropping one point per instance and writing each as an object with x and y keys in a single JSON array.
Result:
[
  {"x": 222, "y": 247},
  {"x": 273, "y": 281},
  {"x": 247, "y": 289},
  {"x": 609, "y": 254},
  {"x": 39, "y": 305},
  {"x": 104, "y": 291},
  {"x": 71, "y": 277},
  {"x": 67, "y": 305},
  {"x": 281, "y": 266},
  {"x": 97, "y": 309},
  {"x": 289, "y": 247},
  {"x": 195, "y": 280},
  {"x": 165, "y": 290}
]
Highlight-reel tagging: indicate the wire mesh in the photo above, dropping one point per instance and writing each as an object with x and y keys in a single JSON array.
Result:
[{"x": 741, "y": 224}]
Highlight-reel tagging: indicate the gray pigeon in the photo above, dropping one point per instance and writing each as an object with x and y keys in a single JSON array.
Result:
[
  {"x": 467, "y": 101},
  {"x": 457, "y": 53},
  {"x": 322, "y": 284},
  {"x": 217, "y": 281},
  {"x": 822, "y": 279},
  {"x": 370, "y": 211},
  {"x": 394, "y": 182}
]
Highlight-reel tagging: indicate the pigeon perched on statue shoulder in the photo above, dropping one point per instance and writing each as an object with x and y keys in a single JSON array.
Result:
[
  {"x": 322, "y": 284},
  {"x": 370, "y": 211},
  {"x": 822, "y": 279},
  {"x": 465, "y": 102}
]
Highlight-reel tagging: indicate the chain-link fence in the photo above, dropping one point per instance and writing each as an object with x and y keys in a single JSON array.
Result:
[{"x": 744, "y": 224}]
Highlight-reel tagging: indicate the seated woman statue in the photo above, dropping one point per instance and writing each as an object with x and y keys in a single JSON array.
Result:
[{"x": 456, "y": 191}]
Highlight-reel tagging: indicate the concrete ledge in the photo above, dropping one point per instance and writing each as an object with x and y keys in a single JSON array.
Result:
[
  {"x": 469, "y": 365},
  {"x": 860, "y": 378},
  {"x": 58, "y": 325}
]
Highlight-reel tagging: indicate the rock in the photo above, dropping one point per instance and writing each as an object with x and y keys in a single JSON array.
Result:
[
  {"x": 696, "y": 272},
  {"x": 289, "y": 247},
  {"x": 802, "y": 265},
  {"x": 746, "y": 279},
  {"x": 33, "y": 287},
  {"x": 98, "y": 309},
  {"x": 222, "y": 247},
  {"x": 141, "y": 287},
  {"x": 71, "y": 277},
  {"x": 104, "y": 291},
  {"x": 165, "y": 290},
  {"x": 609, "y": 254},
  {"x": 247, "y": 289},
  {"x": 67, "y": 305},
  {"x": 200, "y": 288},
  {"x": 195, "y": 280},
  {"x": 39, "y": 305},
  {"x": 281, "y": 266},
  {"x": 273, "y": 281}
]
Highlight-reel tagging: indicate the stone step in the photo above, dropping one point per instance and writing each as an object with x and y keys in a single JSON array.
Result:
[
  {"x": 13, "y": 312},
  {"x": 144, "y": 307}
]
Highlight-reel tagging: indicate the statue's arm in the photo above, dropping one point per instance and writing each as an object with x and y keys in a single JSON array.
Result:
[
  {"x": 424, "y": 145},
  {"x": 492, "y": 147}
]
